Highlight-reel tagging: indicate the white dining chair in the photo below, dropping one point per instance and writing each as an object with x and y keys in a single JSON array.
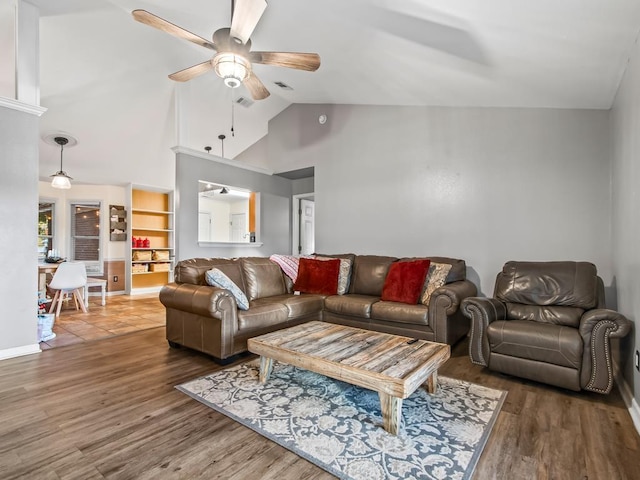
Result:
[{"x": 69, "y": 281}]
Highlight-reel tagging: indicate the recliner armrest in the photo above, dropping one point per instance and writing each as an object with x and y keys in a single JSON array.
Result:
[
  {"x": 596, "y": 328},
  {"x": 482, "y": 311}
]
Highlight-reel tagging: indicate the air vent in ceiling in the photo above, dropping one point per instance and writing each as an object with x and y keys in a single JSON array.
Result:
[
  {"x": 244, "y": 101},
  {"x": 283, "y": 85}
]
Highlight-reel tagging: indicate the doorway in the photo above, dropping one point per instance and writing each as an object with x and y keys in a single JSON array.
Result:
[{"x": 303, "y": 241}]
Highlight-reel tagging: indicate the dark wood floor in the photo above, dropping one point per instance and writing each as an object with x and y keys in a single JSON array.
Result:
[{"x": 108, "y": 409}]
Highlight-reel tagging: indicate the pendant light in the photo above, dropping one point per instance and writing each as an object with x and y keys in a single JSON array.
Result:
[
  {"x": 221, "y": 137},
  {"x": 61, "y": 179}
]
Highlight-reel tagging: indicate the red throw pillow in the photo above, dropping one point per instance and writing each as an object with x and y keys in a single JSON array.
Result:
[
  {"x": 317, "y": 276},
  {"x": 405, "y": 281}
]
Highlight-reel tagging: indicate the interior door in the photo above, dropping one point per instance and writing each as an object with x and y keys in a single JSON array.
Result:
[
  {"x": 239, "y": 227},
  {"x": 204, "y": 226},
  {"x": 307, "y": 227}
]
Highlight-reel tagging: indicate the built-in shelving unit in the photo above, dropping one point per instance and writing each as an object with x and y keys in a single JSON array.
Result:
[{"x": 151, "y": 253}]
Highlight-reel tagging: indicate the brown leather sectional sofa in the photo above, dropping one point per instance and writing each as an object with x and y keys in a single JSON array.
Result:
[{"x": 207, "y": 319}]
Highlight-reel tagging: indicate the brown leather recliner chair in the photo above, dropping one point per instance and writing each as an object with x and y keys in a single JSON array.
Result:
[{"x": 547, "y": 323}]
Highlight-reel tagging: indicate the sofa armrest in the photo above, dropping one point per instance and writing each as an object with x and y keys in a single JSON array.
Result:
[
  {"x": 201, "y": 300},
  {"x": 452, "y": 294},
  {"x": 482, "y": 311},
  {"x": 596, "y": 328},
  {"x": 444, "y": 310}
]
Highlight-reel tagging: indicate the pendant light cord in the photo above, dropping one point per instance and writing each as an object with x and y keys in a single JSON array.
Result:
[
  {"x": 62, "y": 141},
  {"x": 221, "y": 137}
]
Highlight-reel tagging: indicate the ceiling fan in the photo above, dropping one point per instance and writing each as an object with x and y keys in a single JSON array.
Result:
[{"x": 234, "y": 58}]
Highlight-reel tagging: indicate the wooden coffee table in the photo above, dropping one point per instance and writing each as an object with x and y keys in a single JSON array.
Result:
[{"x": 391, "y": 365}]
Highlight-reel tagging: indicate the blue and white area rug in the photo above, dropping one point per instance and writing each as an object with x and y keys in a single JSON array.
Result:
[{"x": 338, "y": 426}]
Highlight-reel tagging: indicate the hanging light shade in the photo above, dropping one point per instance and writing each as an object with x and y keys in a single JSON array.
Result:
[
  {"x": 232, "y": 68},
  {"x": 61, "y": 179}
]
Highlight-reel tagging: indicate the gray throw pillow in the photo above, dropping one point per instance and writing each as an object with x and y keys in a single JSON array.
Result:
[{"x": 216, "y": 278}]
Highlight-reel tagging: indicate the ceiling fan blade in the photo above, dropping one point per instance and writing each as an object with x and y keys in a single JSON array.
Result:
[
  {"x": 256, "y": 88},
  {"x": 300, "y": 61},
  {"x": 246, "y": 14},
  {"x": 154, "y": 21},
  {"x": 192, "y": 72}
]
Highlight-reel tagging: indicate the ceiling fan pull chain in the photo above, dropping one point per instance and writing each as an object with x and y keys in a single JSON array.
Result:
[{"x": 232, "y": 113}]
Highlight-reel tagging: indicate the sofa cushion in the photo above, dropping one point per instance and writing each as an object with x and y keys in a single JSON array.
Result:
[
  {"x": 400, "y": 312},
  {"x": 347, "y": 256},
  {"x": 369, "y": 273},
  {"x": 217, "y": 278},
  {"x": 570, "y": 284},
  {"x": 262, "y": 315},
  {"x": 318, "y": 276},
  {"x": 193, "y": 270},
  {"x": 263, "y": 278},
  {"x": 405, "y": 281},
  {"x": 352, "y": 304},
  {"x": 542, "y": 342},
  {"x": 298, "y": 306},
  {"x": 569, "y": 316}
]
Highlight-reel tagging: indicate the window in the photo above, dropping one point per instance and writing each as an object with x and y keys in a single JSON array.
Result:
[
  {"x": 45, "y": 229},
  {"x": 85, "y": 235}
]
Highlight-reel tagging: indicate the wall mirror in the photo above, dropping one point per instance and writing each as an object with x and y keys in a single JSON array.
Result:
[{"x": 227, "y": 214}]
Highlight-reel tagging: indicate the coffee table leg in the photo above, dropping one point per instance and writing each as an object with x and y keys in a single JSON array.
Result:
[
  {"x": 432, "y": 383},
  {"x": 391, "y": 412},
  {"x": 266, "y": 364}
]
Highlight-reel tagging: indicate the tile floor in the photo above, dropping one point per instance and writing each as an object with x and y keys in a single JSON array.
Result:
[{"x": 121, "y": 314}]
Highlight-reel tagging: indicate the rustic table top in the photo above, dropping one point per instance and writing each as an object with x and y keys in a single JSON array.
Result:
[{"x": 386, "y": 363}]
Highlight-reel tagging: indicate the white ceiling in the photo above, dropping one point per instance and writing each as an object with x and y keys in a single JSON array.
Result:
[{"x": 104, "y": 75}]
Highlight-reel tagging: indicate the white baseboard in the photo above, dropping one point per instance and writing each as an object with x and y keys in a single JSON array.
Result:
[
  {"x": 19, "y": 351},
  {"x": 630, "y": 402},
  {"x": 144, "y": 291}
]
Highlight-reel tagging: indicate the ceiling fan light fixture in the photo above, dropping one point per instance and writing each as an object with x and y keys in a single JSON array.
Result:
[{"x": 232, "y": 68}]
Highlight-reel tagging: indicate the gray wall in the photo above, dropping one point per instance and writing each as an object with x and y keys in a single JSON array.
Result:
[
  {"x": 18, "y": 235},
  {"x": 486, "y": 185},
  {"x": 275, "y": 207},
  {"x": 302, "y": 185},
  {"x": 625, "y": 117}
]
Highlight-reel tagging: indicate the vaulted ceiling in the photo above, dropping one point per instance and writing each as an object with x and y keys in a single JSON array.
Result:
[{"x": 104, "y": 75}]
